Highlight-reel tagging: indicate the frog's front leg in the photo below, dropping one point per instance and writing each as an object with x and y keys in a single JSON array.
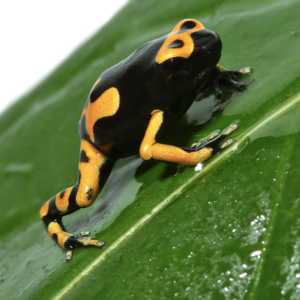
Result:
[
  {"x": 82, "y": 194},
  {"x": 182, "y": 156},
  {"x": 222, "y": 75}
]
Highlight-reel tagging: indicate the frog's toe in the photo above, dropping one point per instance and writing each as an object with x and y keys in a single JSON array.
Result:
[
  {"x": 245, "y": 71},
  {"x": 206, "y": 139},
  {"x": 81, "y": 240},
  {"x": 232, "y": 127},
  {"x": 235, "y": 84},
  {"x": 226, "y": 144},
  {"x": 215, "y": 137},
  {"x": 223, "y": 75},
  {"x": 213, "y": 140}
]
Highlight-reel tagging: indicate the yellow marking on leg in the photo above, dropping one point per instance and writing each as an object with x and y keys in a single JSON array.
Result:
[
  {"x": 149, "y": 138},
  {"x": 62, "y": 236},
  {"x": 179, "y": 156},
  {"x": 86, "y": 241},
  {"x": 63, "y": 203},
  {"x": 44, "y": 209},
  {"x": 88, "y": 188},
  {"x": 105, "y": 106},
  {"x": 150, "y": 149}
]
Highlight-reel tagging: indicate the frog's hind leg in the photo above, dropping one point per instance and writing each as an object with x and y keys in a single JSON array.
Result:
[
  {"x": 94, "y": 169},
  {"x": 150, "y": 149}
]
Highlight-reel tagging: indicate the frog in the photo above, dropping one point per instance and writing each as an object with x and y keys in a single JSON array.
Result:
[{"x": 130, "y": 106}]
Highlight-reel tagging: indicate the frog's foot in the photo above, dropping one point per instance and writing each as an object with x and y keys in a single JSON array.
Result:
[
  {"x": 81, "y": 240},
  {"x": 223, "y": 75},
  {"x": 213, "y": 140}
]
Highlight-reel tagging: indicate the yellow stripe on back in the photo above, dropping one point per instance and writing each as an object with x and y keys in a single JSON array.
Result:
[{"x": 105, "y": 106}]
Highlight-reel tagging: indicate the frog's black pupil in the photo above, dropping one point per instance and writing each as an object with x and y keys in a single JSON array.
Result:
[
  {"x": 176, "y": 44},
  {"x": 187, "y": 25}
]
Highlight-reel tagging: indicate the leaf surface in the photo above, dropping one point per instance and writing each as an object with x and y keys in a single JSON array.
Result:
[{"x": 228, "y": 232}]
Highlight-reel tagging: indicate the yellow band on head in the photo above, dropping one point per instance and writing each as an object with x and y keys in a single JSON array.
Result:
[{"x": 184, "y": 36}]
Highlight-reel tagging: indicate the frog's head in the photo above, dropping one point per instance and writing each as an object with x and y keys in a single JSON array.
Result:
[{"x": 189, "y": 51}]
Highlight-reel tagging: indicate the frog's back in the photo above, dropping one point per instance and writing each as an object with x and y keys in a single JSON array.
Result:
[{"x": 119, "y": 106}]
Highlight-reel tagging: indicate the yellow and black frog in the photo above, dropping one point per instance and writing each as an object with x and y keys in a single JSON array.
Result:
[{"x": 131, "y": 106}]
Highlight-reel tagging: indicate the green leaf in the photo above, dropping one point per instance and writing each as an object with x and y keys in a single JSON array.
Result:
[{"x": 227, "y": 232}]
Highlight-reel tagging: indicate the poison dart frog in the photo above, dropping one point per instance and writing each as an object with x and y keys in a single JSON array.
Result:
[{"x": 130, "y": 106}]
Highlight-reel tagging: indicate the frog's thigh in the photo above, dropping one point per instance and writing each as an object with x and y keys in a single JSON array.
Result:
[
  {"x": 150, "y": 149},
  {"x": 82, "y": 194},
  {"x": 90, "y": 164}
]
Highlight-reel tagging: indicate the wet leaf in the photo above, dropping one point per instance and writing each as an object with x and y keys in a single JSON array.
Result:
[{"x": 230, "y": 231}]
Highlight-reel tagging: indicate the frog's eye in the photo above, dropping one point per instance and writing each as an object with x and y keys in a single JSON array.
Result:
[{"x": 173, "y": 65}]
